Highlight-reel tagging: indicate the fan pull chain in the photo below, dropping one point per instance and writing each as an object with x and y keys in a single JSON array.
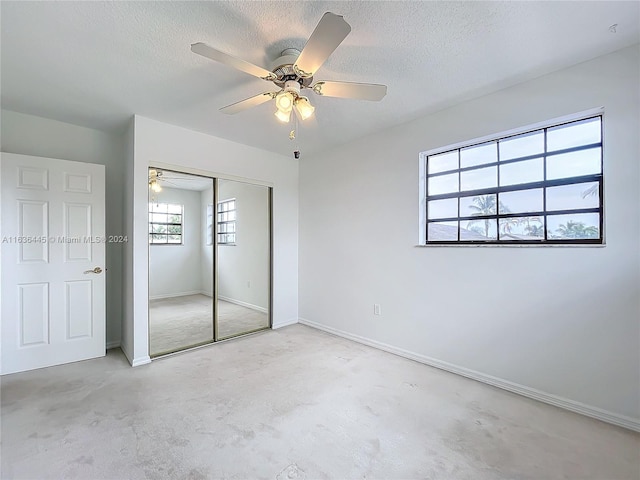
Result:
[{"x": 292, "y": 137}]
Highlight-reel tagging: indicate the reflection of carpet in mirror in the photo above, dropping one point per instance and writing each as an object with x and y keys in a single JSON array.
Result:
[{"x": 180, "y": 322}]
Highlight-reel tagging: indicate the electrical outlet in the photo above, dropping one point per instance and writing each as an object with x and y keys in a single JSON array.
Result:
[{"x": 376, "y": 309}]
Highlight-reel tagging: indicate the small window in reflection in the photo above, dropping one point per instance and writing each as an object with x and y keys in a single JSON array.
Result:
[{"x": 227, "y": 222}]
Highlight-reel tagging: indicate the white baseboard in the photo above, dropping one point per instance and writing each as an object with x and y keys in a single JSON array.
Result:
[
  {"x": 243, "y": 304},
  {"x": 567, "y": 404},
  {"x": 286, "y": 323},
  {"x": 113, "y": 344},
  {"x": 206, "y": 294},
  {"x": 173, "y": 295},
  {"x": 126, "y": 354},
  {"x": 141, "y": 361},
  {"x": 135, "y": 362}
]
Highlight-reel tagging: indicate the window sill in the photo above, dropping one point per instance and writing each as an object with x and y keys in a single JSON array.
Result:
[{"x": 511, "y": 245}]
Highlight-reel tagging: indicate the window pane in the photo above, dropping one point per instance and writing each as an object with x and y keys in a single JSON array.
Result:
[
  {"x": 158, "y": 228},
  {"x": 443, "y": 208},
  {"x": 174, "y": 208},
  {"x": 443, "y": 184},
  {"x": 158, "y": 238},
  {"x": 232, "y": 215},
  {"x": 573, "y": 134},
  {"x": 478, "y": 155},
  {"x": 481, "y": 178},
  {"x": 522, "y": 172},
  {"x": 573, "y": 226},
  {"x": 521, "y": 201},
  {"x": 231, "y": 227},
  {"x": 175, "y": 229},
  {"x": 522, "y": 228},
  {"x": 442, "y": 232},
  {"x": 478, "y": 205},
  {"x": 442, "y": 162},
  {"x": 522, "y": 145},
  {"x": 567, "y": 197},
  {"x": 159, "y": 217},
  {"x": 481, "y": 229},
  {"x": 574, "y": 164},
  {"x": 175, "y": 238}
]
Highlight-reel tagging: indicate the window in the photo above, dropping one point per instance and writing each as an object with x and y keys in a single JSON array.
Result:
[
  {"x": 227, "y": 222},
  {"x": 165, "y": 224},
  {"x": 543, "y": 186}
]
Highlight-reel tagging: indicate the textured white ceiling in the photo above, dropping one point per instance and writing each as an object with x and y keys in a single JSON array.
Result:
[{"x": 97, "y": 63}]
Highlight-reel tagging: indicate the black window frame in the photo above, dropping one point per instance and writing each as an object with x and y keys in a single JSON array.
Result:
[
  {"x": 167, "y": 224},
  {"x": 544, "y": 185}
]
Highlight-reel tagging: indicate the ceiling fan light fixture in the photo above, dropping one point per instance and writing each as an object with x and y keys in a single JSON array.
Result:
[
  {"x": 284, "y": 101},
  {"x": 283, "y": 116},
  {"x": 304, "y": 107}
]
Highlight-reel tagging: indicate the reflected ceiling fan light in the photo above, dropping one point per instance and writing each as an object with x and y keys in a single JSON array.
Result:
[
  {"x": 284, "y": 101},
  {"x": 304, "y": 107},
  {"x": 283, "y": 116},
  {"x": 155, "y": 186}
]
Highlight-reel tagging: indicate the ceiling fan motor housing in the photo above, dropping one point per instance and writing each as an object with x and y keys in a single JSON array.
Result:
[
  {"x": 283, "y": 68},
  {"x": 292, "y": 86}
]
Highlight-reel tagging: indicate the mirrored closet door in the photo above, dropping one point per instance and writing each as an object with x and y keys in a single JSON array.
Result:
[
  {"x": 181, "y": 256},
  {"x": 209, "y": 260},
  {"x": 244, "y": 258}
]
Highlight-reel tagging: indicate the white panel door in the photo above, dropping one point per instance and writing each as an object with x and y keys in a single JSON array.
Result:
[{"x": 52, "y": 262}]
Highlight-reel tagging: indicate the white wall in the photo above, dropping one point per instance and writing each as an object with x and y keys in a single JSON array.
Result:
[
  {"x": 175, "y": 270},
  {"x": 164, "y": 145},
  {"x": 128, "y": 273},
  {"x": 561, "y": 321},
  {"x": 31, "y": 135},
  {"x": 243, "y": 268}
]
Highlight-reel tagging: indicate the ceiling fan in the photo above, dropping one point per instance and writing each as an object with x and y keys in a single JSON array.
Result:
[
  {"x": 293, "y": 73},
  {"x": 158, "y": 177}
]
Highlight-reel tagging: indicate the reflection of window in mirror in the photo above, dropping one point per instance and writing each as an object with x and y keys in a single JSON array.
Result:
[
  {"x": 209, "y": 224},
  {"x": 165, "y": 224},
  {"x": 227, "y": 222}
]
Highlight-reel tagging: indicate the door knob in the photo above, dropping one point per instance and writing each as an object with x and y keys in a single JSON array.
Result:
[{"x": 95, "y": 270}]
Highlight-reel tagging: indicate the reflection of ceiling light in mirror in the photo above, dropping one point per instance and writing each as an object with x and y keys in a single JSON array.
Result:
[
  {"x": 304, "y": 107},
  {"x": 155, "y": 186},
  {"x": 283, "y": 116}
]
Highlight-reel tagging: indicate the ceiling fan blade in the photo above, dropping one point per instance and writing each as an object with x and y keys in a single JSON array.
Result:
[
  {"x": 247, "y": 103},
  {"x": 238, "y": 64},
  {"x": 359, "y": 91},
  {"x": 329, "y": 33}
]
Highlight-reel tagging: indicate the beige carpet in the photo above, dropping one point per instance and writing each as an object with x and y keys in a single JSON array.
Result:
[
  {"x": 292, "y": 403},
  {"x": 181, "y": 322}
]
